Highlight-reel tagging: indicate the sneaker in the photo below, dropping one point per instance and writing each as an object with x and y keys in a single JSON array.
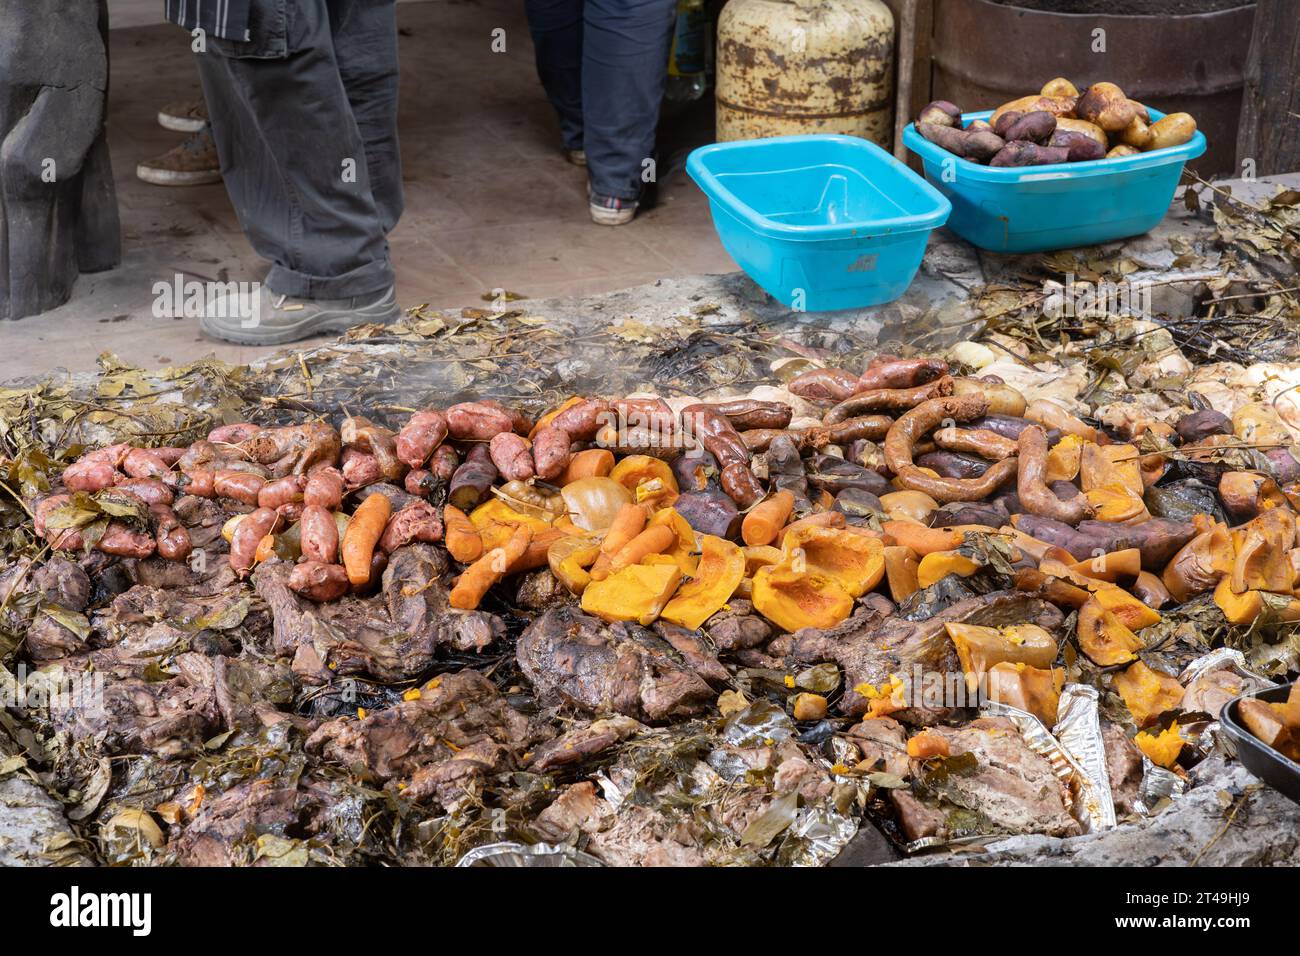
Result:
[
  {"x": 577, "y": 157},
  {"x": 192, "y": 163},
  {"x": 184, "y": 117},
  {"x": 274, "y": 319},
  {"x": 610, "y": 210}
]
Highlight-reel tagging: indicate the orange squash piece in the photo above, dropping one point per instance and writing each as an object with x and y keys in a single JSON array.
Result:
[
  {"x": 855, "y": 562},
  {"x": 980, "y": 648},
  {"x": 927, "y": 744},
  {"x": 1147, "y": 693},
  {"x": 1035, "y": 690},
  {"x": 1111, "y": 567},
  {"x": 792, "y": 599},
  {"x": 937, "y": 565},
  {"x": 635, "y": 593},
  {"x": 1163, "y": 748},
  {"x": 1245, "y": 607},
  {"x": 1200, "y": 563},
  {"x": 721, "y": 568},
  {"x": 1063, "y": 459},
  {"x": 900, "y": 572},
  {"x": 1103, "y": 637},
  {"x": 1262, "y": 562},
  {"x": 1102, "y": 465}
]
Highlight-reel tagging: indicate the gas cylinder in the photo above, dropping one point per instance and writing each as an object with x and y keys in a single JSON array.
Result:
[{"x": 805, "y": 66}]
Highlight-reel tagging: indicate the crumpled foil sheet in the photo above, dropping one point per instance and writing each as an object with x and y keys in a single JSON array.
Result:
[
  {"x": 1084, "y": 797},
  {"x": 521, "y": 854},
  {"x": 1078, "y": 728},
  {"x": 1157, "y": 783},
  {"x": 1207, "y": 736}
]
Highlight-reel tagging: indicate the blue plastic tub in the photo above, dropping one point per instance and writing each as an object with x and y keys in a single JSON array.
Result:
[
  {"x": 820, "y": 222},
  {"x": 1036, "y": 208}
]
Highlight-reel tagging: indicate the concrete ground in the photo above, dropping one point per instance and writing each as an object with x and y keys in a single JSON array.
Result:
[{"x": 490, "y": 204}]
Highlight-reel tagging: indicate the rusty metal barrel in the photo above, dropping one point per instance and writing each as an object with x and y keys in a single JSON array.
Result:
[
  {"x": 985, "y": 53},
  {"x": 805, "y": 66}
]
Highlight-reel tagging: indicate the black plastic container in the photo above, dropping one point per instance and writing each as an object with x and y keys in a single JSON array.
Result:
[{"x": 1279, "y": 772}]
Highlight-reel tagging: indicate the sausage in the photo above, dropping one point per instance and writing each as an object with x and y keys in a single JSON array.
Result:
[
  {"x": 293, "y": 448},
  {"x": 740, "y": 485},
  {"x": 172, "y": 538},
  {"x": 145, "y": 463},
  {"x": 290, "y": 511},
  {"x": 123, "y": 540},
  {"x": 365, "y": 435},
  {"x": 200, "y": 482},
  {"x": 318, "y": 582},
  {"x": 478, "y": 421},
  {"x": 418, "y": 482},
  {"x": 550, "y": 452},
  {"x": 442, "y": 465},
  {"x": 359, "y": 469},
  {"x": 980, "y": 441},
  {"x": 901, "y": 373},
  {"x": 518, "y": 420},
  {"x": 170, "y": 455},
  {"x": 255, "y": 526},
  {"x": 149, "y": 490},
  {"x": 511, "y": 456},
  {"x": 238, "y": 485},
  {"x": 319, "y": 534},
  {"x": 751, "y": 413},
  {"x": 581, "y": 420},
  {"x": 760, "y": 439},
  {"x": 423, "y": 432},
  {"x": 823, "y": 385},
  {"x": 324, "y": 487},
  {"x": 870, "y": 427},
  {"x": 418, "y": 521},
  {"x": 887, "y": 399},
  {"x": 91, "y": 474},
  {"x": 1036, "y": 497},
  {"x": 233, "y": 434},
  {"x": 716, "y": 434},
  {"x": 917, "y": 422},
  {"x": 282, "y": 491}
]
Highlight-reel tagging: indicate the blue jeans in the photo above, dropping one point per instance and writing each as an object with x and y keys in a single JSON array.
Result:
[{"x": 603, "y": 64}]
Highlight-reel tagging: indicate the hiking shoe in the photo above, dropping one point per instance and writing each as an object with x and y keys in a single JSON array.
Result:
[
  {"x": 610, "y": 210},
  {"x": 268, "y": 318},
  {"x": 184, "y": 116},
  {"x": 577, "y": 157},
  {"x": 192, "y": 163}
]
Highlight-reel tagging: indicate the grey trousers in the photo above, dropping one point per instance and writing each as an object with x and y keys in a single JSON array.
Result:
[{"x": 304, "y": 115}]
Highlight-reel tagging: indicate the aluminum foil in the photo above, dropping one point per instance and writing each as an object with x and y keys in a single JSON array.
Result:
[
  {"x": 1078, "y": 728},
  {"x": 521, "y": 854},
  {"x": 1224, "y": 658},
  {"x": 1157, "y": 783},
  {"x": 1083, "y": 796}
]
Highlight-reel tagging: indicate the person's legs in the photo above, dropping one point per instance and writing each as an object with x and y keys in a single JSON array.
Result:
[
  {"x": 365, "y": 45},
  {"x": 556, "y": 26},
  {"x": 295, "y": 163},
  {"x": 624, "y": 65}
]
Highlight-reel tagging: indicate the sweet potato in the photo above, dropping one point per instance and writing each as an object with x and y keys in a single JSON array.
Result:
[
  {"x": 1079, "y": 146},
  {"x": 1056, "y": 105},
  {"x": 709, "y": 512},
  {"x": 1034, "y": 127},
  {"x": 1024, "y": 153},
  {"x": 977, "y": 145},
  {"x": 472, "y": 479},
  {"x": 364, "y": 531}
]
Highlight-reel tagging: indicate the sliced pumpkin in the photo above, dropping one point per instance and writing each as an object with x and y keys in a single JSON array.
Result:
[
  {"x": 721, "y": 568},
  {"x": 760, "y": 556},
  {"x": 980, "y": 648},
  {"x": 1245, "y": 607},
  {"x": 854, "y": 561},
  {"x": 1131, "y": 612},
  {"x": 908, "y": 505},
  {"x": 1147, "y": 693},
  {"x": 1162, "y": 749},
  {"x": 635, "y": 470},
  {"x": 1103, "y": 637},
  {"x": 1117, "y": 503},
  {"x": 792, "y": 599},
  {"x": 1200, "y": 563},
  {"x": 937, "y": 565},
  {"x": 927, "y": 744},
  {"x": 900, "y": 572},
  {"x": 1035, "y": 690},
  {"x": 569, "y": 558},
  {"x": 1262, "y": 561},
  {"x": 683, "y": 551},
  {"x": 1103, "y": 465},
  {"x": 635, "y": 593},
  {"x": 1063, "y": 459},
  {"x": 500, "y": 512},
  {"x": 1112, "y": 566}
]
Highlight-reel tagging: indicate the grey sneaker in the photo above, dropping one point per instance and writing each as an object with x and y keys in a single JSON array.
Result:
[
  {"x": 185, "y": 116},
  {"x": 268, "y": 318}
]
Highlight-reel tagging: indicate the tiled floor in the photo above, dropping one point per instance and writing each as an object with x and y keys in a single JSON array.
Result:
[{"x": 490, "y": 204}]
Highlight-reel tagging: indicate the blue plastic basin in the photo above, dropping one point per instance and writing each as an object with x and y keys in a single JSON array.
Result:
[
  {"x": 1036, "y": 208},
  {"x": 820, "y": 222}
]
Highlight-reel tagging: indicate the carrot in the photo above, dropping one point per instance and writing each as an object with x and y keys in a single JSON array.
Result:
[
  {"x": 460, "y": 536},
  {"x": 922, "y": 540},
  {"x": 627, "y": 524},
  {"x": 364, "y": 531},
  {"x": 592, "y": 463},
  {"x": 489, "y": 569},
  {"x": 653, "y": 540},
  {"x": 768, "y": 517},
  {"x": 534, "y": 555}
]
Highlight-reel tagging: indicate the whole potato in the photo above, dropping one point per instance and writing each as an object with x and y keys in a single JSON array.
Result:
[
  {"x": 1106, "y": 105},
  {"x": 1003, "y": 399},
  {"x": 1058, "y": 106},
  {"x": 1140, "y": 111},
  {"x": 1136, "y": 134},
  {"x": 1059, "y": 87},
  {"x": 1174, "y": 130},
  {"x": 1122, "y": 150}
]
